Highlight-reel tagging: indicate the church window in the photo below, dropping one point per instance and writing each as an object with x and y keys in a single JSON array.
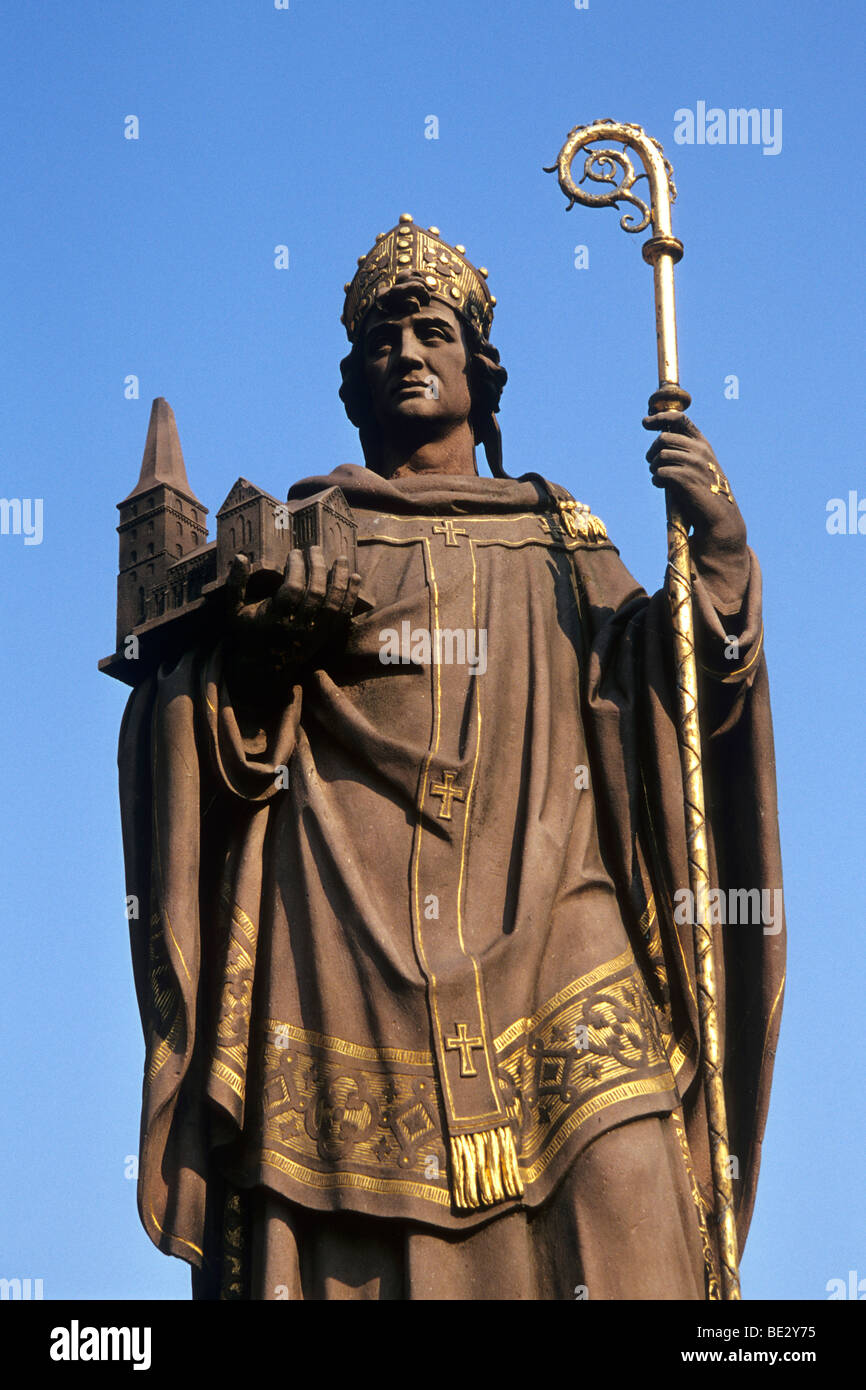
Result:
[
  {"x": 180, "y": 550},
  {"x": 150, "y": 548},
  {"x": 134, "y": 556},
  {"x": 141, "y": 605}
]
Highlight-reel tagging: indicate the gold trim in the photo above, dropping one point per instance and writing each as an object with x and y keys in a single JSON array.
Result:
[
  {"x": 350, "y": 1049},
  {"x": 737, "y": 670},
  {"x": 475, "y": 517},
  {"x": 570, "y": 546},
  {"x": 485, "y": 1168},
  {"x": 601, "y": 972},
  {"x": 159, "y": 870},
  {"x": 171, "y": 1235},
  {"x": 779, "y": 992},
  {"x": 311, "y": 1178},
  {"x": 628, "y": 1090},
  {"x": 167, "y": 1045},
  {"x": 221, "y": 1072},
  {"x": 711, "y": 1274}
]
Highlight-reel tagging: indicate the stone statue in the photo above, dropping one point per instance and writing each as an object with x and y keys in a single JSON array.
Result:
[{"x": 403, "y": 826}]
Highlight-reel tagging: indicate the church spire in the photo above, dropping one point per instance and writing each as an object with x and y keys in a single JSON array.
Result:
[{"x": 162, "y": 464}]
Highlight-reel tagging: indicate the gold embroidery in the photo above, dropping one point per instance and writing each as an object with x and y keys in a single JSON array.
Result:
[
  {"x": 229, "y": 1065},
  {"x": 234, "y": 1259},
  {"x": 524, "y": 1025},
  {"x": 167, "y": 1031},
  {"x": 335, "y": 1114},
  {"x": 346, "y": 1049},
  {"x": 324, "y": 1181}
]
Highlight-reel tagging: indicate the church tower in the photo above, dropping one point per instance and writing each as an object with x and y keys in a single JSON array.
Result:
[{"x": 160, "y": 521}]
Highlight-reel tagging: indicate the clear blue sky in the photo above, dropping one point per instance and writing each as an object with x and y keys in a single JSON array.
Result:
[{"x": 155, "y": 257}]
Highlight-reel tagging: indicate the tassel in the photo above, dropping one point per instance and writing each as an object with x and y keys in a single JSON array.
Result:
[{"x": 485, "y": 1168}]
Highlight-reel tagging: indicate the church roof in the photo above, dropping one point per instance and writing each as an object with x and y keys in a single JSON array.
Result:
[
  {"x": 193, "y": 554},
  {"x": 244, "y": 491},
  {"x": 162, "y": 463}
]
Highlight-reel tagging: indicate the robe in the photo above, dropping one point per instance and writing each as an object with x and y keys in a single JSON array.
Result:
[{"x": 420, "y": 1011}]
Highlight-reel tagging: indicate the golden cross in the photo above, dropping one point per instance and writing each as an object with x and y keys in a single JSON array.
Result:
[
  {"x": 448, "y": 792},
  {"x": 464, "y": 1046},
  {"x": 450, "y": 531}
]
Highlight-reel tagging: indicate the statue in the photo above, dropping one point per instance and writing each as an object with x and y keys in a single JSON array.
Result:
[{"x": 406, "y": 856}]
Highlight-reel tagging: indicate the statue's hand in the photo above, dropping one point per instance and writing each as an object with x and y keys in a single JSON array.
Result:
[
  {"x": 682, "y": 461},
  {"x": 288, "y": 628}
]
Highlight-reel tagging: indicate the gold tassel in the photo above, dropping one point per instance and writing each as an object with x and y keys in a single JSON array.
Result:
[{"x": 484, "y": 1168}]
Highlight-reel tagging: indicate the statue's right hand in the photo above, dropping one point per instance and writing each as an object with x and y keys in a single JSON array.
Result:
[{"x": 290, "y": 626}]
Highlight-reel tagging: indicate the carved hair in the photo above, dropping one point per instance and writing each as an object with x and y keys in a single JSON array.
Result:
[{"x": 487, "y": 378}]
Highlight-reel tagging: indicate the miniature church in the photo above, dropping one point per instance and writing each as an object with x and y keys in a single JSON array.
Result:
[
  {"x": 166, "y": 560},
  {"x": 168, "y": 568}
]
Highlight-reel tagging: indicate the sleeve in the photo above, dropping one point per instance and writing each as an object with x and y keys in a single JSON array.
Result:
[
  {"x": 249, "y": 752},
  {"x": 632, "y": 720}
]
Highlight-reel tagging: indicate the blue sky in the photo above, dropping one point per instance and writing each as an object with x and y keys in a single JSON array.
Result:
[{"x": 155, "y": 257}]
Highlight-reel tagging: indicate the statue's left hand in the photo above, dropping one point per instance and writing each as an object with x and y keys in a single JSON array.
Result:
[
  {"x": 682, "y": 462},
  {"x": 267, "y": 637}
]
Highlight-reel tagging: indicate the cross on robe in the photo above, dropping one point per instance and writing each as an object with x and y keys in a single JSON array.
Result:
[
  {"x": 450, "y": 531},
  {"x": 551, "y": 526},
  {"x": 448, "y": 792},
  {"x": 464, "y": 1046}
]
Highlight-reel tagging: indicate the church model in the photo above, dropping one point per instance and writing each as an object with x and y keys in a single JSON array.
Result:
[{"x": 168, "y": 569}]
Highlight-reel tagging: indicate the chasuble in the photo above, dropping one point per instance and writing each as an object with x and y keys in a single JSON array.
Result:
[{"x": 409, "y": 965}]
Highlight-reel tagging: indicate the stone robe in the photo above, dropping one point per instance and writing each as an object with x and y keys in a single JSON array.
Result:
[{"x": 426, "y": 913}]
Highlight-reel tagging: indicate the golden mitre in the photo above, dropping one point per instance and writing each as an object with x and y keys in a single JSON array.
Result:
[{"x": 421, "y": 252}]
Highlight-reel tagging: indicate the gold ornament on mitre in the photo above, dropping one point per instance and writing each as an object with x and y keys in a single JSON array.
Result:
[{"x": 408, "y": 250}]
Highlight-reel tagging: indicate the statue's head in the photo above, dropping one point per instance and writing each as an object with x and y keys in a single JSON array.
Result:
[{"x": 415, "y": 292}]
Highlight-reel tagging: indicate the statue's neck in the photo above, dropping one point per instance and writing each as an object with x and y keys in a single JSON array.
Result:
[{"x": 451, "y": 453}]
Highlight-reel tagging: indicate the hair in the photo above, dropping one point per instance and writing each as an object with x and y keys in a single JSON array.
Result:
[{"x": 487, "y": 377}]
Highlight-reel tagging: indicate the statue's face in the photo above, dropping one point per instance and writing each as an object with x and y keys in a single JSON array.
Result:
[{"x": 417, "y": 368}]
